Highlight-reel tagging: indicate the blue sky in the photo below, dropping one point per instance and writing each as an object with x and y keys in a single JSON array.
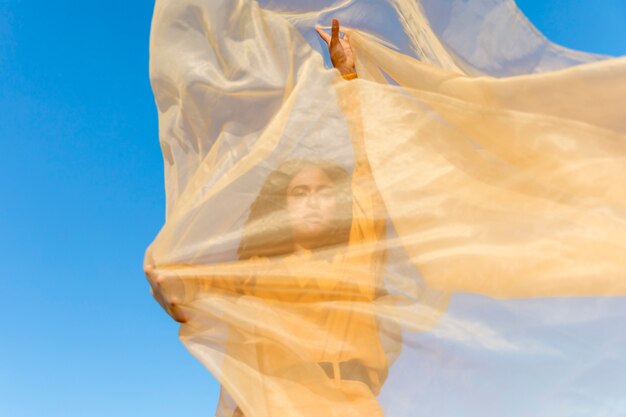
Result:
[{"x": 82, "y": 183}]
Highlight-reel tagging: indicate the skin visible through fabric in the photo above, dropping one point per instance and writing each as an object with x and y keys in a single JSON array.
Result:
[{"x": 333, "y": 244}]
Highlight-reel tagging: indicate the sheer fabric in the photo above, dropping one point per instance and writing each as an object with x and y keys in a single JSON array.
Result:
[{"x": 474, "y": 217}]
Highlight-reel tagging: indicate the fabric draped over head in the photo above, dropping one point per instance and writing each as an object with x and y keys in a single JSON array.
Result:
[
  {"x": 462, "y": 202},
  {"x": 267, "y": 230}
]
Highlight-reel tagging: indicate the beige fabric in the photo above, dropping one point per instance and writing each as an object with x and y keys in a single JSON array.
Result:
[{"x": 460, "y": 184}]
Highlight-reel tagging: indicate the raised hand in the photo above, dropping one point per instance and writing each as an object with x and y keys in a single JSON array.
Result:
[{"x": 340, "y": 49}]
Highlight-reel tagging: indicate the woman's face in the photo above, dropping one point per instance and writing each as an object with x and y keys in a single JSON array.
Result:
[{"x": 311, "y": 206}]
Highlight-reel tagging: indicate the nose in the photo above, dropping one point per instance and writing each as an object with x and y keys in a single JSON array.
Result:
[{"x": 313, "y": 200}]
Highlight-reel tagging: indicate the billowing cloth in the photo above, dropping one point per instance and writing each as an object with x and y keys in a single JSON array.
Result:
[{"x": 469, "y": 185}]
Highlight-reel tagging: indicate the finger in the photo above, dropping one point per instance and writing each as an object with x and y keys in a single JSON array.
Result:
[
  {"x": 325, "y": 36},
  {"x": 157, "y": 290},
  {"x": 335, "y": 31},
  {"x": 160, "y": 300},
  {"x": 346, "y": 37},
  {"x": 176, "y": 312}
]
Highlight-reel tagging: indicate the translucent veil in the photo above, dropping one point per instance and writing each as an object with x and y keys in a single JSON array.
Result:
[{"x": 473, "y": 255}]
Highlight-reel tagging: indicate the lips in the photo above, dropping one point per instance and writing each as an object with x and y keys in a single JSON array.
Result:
[{"x": 315, "y": 217}]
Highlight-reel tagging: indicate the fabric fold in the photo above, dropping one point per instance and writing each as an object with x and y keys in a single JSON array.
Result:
[{"x": 400, "y": 243}]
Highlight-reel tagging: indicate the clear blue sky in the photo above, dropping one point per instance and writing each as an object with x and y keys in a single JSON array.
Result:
[{"x": 81, "y": 183}]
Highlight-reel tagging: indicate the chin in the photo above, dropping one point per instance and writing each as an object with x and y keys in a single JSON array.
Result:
[{"x": 312, "y": 234}]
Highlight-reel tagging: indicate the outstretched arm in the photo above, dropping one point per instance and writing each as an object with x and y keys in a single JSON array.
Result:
[
  {"x": 369, "y": 214},
  {"x": 179, "y": 284},
  {"x": 174, "y": 286}
]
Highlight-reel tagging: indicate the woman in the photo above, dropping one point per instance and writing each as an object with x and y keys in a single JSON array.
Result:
[
  {"x": 313, "y": 238},
  {"x": 303, "y": 206}
]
